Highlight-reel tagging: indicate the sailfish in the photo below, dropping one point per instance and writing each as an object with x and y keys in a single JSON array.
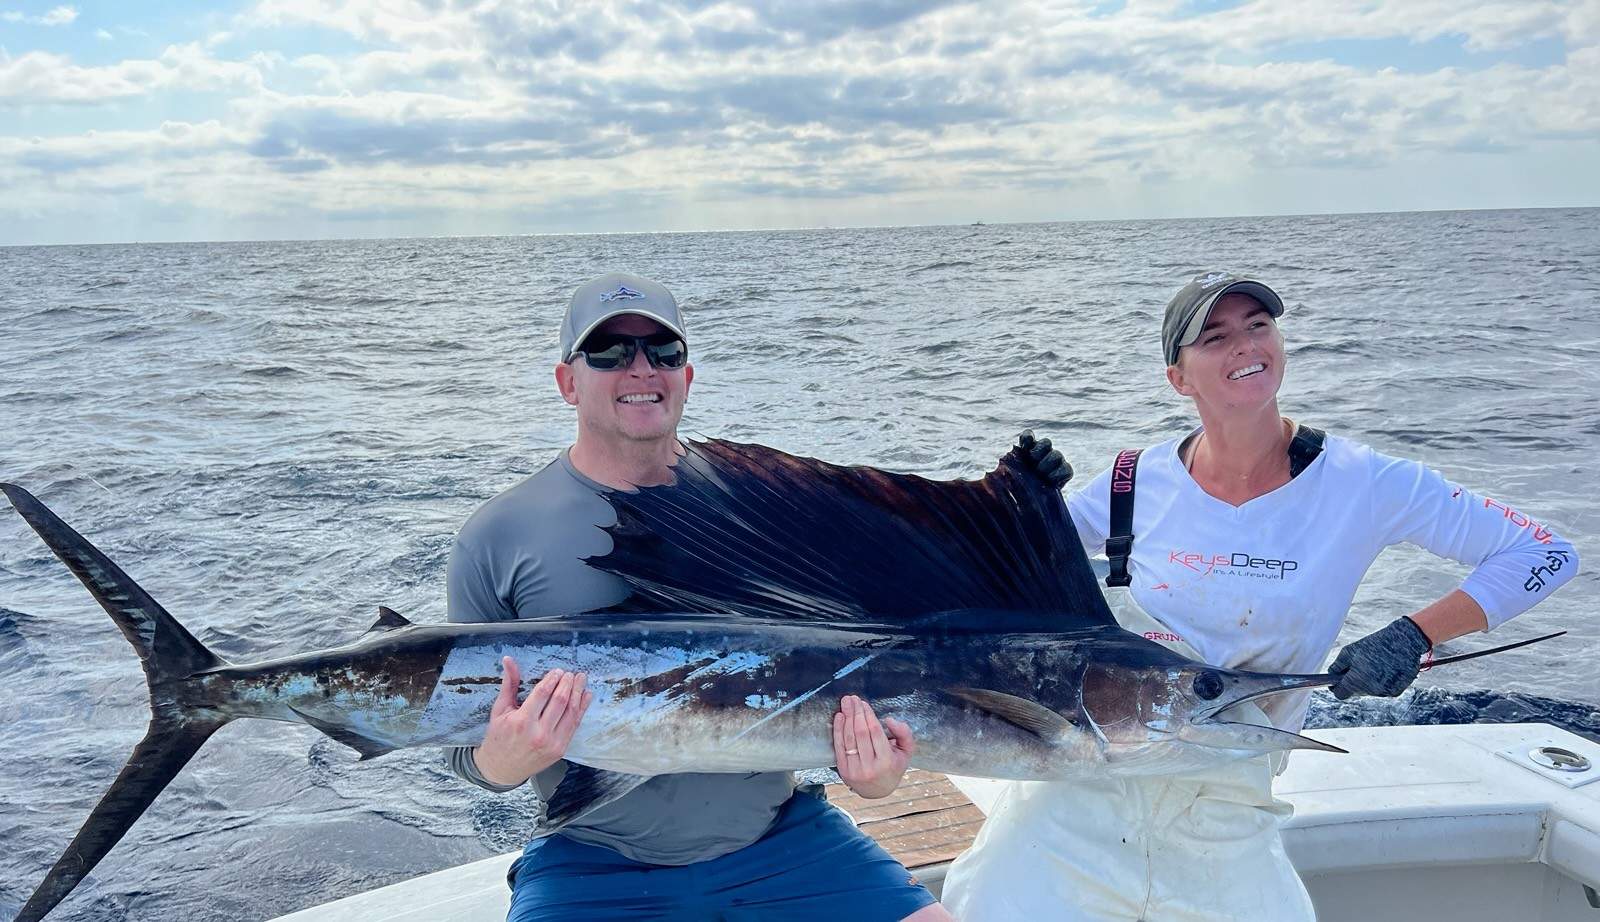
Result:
[{"x": 767, "y": 587}]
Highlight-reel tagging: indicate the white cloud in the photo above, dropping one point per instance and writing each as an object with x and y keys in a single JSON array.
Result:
[
  {"x": 40, "y": 77},
  {"x": 57, "y": 16},
  {"x": 1482, "y": 26},
  {"x": 170, "y": 138},
  {"x": 412, "y": 23}
]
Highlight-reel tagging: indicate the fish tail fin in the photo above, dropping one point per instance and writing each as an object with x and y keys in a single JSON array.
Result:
[
  {"x": 154, "y": 763},
  {"x": 179, "y": 724}
]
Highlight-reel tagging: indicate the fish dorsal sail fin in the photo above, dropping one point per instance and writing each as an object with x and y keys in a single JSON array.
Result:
[
  {"x": 582, "y": 789},
  {"x": 1029, "y": 715},
  {"x": 389, "y": 620},
  {"x": 754, "y": 530}
]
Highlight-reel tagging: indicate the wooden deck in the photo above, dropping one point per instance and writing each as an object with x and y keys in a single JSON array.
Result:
[{"x": 924, "y": 824}]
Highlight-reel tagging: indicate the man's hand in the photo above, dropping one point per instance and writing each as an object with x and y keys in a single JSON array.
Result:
[
  {"x": 1046, "y": 463},
  {"x": 1383, "y": 663},
  {"x": 523, "y": 740},
  {"x": 871, "y": 762}
]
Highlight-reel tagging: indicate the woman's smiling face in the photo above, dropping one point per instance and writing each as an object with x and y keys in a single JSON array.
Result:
[{"x": 1238, "y": 359}]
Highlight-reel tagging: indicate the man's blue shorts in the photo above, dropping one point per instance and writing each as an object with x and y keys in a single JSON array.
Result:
[{"x": 813, "y": 864}]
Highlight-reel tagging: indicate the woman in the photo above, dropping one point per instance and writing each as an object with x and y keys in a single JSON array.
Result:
[{"x": 1249, "y": 538}]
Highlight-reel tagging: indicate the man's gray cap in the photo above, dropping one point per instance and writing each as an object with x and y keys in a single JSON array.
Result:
[
  {"x": 612, "y": 295},
  {"x": 1190, "y": 308}
]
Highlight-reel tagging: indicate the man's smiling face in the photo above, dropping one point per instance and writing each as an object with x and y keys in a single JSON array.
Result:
[{"x": 636, "y": 403}]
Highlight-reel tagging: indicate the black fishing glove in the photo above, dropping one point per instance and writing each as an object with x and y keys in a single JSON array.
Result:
[
  {"x": 1046, "y": 463},
  {"x": 1383, "y": 663}
]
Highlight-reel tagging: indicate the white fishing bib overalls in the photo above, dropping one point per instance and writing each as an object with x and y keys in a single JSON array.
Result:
[{"x": 1198, "y": 847}]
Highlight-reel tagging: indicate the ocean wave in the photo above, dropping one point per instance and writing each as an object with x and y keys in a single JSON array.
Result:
[{"x": 1434, "y": 706}]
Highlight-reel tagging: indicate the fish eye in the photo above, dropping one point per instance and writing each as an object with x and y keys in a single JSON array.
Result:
[{"x": 1208, "y": 685}]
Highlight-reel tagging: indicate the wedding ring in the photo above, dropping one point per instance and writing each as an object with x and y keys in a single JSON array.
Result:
[{"x": 851, "y": 752}]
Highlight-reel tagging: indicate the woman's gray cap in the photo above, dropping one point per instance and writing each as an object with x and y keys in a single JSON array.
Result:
[
  {"x": 612, "y": 295},
  {"x": 1189, "y": 310}
]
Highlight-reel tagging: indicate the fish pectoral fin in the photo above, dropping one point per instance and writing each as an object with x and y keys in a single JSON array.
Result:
[
  {"x": 369, "y": 749},
  {"x": 388, "y": 620},
  {"x": 1029, "y": 715},
  {"x": 583, "y": 788}
]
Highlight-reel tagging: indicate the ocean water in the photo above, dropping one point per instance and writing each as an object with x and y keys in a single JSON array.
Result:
[{"x": 275, "y": 438}]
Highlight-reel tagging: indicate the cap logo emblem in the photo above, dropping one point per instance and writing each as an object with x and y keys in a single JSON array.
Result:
[
  {"x": 1214, "y": 279},
  {"x": 623, "y": 293}
]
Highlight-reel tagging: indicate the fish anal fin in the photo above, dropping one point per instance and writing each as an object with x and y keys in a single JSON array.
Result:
[
  {"x": 583, "y": 788},
  {"x": 389, "y": 620},
  {"x": 369, "y": 749},
  {"x": 1029, "y": 715}
]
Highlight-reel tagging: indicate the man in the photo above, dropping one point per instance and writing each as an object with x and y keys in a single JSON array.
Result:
[{"x": 680, "y": 846}]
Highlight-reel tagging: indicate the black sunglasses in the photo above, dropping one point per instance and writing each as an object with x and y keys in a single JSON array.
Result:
[{"x": 611, "y": 351}]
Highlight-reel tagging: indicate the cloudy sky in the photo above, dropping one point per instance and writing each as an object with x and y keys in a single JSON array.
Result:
[{"x": 184, "y": 120}]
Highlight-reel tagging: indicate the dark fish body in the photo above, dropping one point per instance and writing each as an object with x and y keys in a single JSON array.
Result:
[{"x": 709, "y": 695}]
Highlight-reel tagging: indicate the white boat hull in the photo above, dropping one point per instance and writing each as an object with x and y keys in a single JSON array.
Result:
[{"x": 1415, "y": 824}]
